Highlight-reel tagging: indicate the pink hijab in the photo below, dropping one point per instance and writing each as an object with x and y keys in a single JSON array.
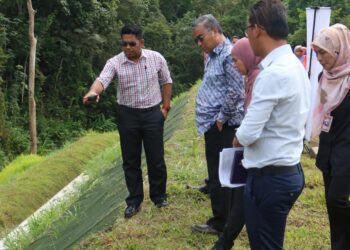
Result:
[
  {"x": 334, "y": 85},
  {"x": 243, "y": 51}
]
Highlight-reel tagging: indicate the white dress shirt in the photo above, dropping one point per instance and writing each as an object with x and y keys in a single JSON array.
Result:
[{"x": 273, "y": 129}]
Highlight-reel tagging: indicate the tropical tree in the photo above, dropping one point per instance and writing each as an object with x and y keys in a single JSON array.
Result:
[{"x": 31, "y": 83}]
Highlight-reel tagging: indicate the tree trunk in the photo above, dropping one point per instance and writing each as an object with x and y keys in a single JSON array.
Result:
[{"x": 31, "y": 83}]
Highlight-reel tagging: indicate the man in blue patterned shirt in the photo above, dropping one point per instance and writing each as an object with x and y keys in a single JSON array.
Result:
[{"x": 219, "y": 110}]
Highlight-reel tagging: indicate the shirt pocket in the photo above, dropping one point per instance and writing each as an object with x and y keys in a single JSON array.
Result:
[{"x": 151, "y": 74}]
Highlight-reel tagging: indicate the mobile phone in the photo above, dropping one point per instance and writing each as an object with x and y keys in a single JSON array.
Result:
[{"x": 92, "y": 98}]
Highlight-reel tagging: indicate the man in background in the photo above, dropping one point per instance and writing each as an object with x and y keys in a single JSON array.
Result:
[{"x": 234, "y": 39}]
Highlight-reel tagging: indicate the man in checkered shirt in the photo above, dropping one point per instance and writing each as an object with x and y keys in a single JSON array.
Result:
[{"x": 143, "y": 94}]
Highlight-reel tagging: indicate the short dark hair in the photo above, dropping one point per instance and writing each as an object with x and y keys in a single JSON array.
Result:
[
  {"x": 270, "y": 15},
  {"x": 132, "y": 29}
]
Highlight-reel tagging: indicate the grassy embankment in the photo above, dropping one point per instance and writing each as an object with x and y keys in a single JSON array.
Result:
[
  {"x": 28, "y": 182},
  {"x": 169, "y": 228}
]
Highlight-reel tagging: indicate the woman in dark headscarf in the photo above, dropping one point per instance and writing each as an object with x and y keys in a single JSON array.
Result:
[{"x": 331, "y": 121}]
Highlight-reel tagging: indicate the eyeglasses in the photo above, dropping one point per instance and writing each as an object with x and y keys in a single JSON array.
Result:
[
  {"x": 247, "y": 29},
  {"x": 200, "y": 37},
  {"x": 250, "y": 26},
  {"x": 125, "y": 44},
  {"x": 253, "y": 26}
]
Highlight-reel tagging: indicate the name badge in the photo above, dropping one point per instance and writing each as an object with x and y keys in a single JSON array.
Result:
[{"x": 327, "y": 122}]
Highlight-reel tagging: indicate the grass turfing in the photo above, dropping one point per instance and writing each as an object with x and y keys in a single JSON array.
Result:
[
  {"x": 170, "y": 227},
  {"x": 18, "y": 166},
  {"x": 23, "y": 195}
]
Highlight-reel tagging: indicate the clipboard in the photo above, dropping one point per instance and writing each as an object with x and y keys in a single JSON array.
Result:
[
  {"x": 238, "y": 172},
  {"x": 230, "y": 157}
]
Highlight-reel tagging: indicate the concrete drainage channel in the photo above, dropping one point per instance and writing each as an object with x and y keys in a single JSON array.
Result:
[{"x": 61, "y": 196}]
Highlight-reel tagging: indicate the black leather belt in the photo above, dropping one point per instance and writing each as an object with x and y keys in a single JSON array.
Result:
[{"x": 273, "y": 170}]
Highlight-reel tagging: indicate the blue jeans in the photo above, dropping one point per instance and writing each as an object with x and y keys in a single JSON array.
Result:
[{"x": 267, "y": 202}]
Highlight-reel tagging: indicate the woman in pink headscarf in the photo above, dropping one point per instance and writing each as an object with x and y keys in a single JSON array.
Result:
[
  {"x": 331, "y": 121},
  {"x": 247, "y": 64}
]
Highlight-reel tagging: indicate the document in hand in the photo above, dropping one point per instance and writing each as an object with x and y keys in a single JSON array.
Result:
[
  {"x": 238, "y": 173},
  {"x": 230, "y": 161}
]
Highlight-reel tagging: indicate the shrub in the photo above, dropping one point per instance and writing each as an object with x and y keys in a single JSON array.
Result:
[
  {"x": 18, "y": 140},
  {"x": 3, "y": 159}
]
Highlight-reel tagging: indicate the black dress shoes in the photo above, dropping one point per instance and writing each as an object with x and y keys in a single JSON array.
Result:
[
  {"x": 220, "y": 245},
  {"x": 161, "y": 203},
  {"x": 204, "y": 187},
  {"x": 131, "y": 210},
  {"x": 205, "y": 228}
]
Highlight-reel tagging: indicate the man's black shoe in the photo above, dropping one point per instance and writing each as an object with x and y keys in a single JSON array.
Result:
[
  {"x": 205, "y": 228},
  {"x": 219, "y": 245},
  {"x": 131, "y": 210},
  {"x": 203, "y": 188},
  {"x": 161, "y": 203}
]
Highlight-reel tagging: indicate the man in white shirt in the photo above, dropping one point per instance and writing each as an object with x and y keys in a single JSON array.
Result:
[{"x": 273, "y": 129}]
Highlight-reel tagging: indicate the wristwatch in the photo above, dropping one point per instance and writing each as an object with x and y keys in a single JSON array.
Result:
[{"x": 167, "y": 109}]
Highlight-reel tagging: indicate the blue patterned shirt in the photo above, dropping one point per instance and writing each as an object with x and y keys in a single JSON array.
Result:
[{"x": 220, "y": 96}]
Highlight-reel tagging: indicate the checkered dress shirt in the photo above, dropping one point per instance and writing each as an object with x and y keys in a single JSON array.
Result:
[{"x": 138, "y": 83}]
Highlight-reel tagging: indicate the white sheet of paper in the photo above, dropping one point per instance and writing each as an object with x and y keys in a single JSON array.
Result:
[{"x": 225, "y": 167}]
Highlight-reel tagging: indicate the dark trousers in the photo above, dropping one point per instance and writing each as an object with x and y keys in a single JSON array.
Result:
[
  {"x": 235, "y": 220},
  {"x": 337, "y": 189},
  {"x": 267, "y": 202},
  {"x": 137, "y": 126},
  {"x": 215, "y": 141}
]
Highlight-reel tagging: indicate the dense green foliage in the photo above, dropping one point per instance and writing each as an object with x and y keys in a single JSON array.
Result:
[{"x": 76, "y": 37}]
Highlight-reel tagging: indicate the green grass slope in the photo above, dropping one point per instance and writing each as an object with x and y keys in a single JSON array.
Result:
[
  {"x": 18, "y": 166},
  {"x": 24, "y": 194}
]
